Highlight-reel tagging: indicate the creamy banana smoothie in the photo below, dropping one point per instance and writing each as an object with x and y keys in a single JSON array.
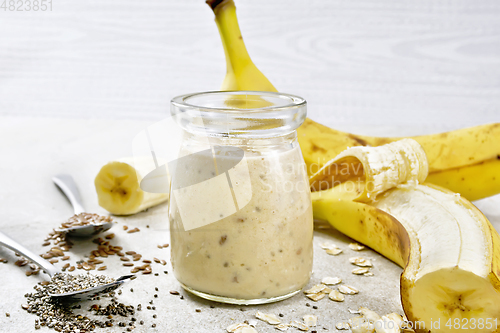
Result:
[
  {"x": 261, "y": 251},
  {"x": 241, "y": 222}
]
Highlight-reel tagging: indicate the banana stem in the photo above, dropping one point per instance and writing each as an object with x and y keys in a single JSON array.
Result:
[{"x": 237, "y": 56}]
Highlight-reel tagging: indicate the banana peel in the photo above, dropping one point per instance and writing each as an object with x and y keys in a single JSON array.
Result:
[
  {"x": 466, "y": 161},
  {"x": 449, "y": 251},
  {"x": 473, "y": 182},
  {"x": 454, "y": 149}
]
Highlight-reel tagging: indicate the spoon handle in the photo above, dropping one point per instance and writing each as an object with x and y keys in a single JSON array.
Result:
[
  {"x": 15, "y": 246},
  {"x": 68, "y": 187}
]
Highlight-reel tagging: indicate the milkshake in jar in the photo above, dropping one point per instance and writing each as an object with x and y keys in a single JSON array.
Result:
[{"x": 240, "y": 212}]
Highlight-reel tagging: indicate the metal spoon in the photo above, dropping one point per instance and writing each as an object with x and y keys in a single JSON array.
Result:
[
  {"x": 51, "y": 270},
  {"x": 68, "y": 187}
]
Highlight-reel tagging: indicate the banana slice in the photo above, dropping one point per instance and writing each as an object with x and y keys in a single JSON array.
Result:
[{"x": 118, "y": 188}]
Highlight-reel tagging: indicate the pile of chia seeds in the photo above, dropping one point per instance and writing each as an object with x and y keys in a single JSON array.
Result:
[{"x": 61, "y": 317}]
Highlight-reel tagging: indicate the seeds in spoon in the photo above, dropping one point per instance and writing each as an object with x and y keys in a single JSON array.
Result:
[
  {"x": 82, "y": 219},
  {"x": 64, "y": 283}
]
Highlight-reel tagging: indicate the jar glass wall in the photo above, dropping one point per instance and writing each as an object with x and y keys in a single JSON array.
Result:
[{"x": 240, "y": 209}]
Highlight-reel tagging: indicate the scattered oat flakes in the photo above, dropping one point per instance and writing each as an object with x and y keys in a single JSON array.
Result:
[
  {"x": 240, "y": 328},
  {"x": 234, "y": 327},
  {"x": 315, "y": 289},
  {"x": 316, "y": 297},
  {"x": 356, "y": 247},
  {"x": 396, "y": 318},
  {"x": 246, "y": 329},
  {"x": 331, "y": 281},
  {"x": 336, "y": 296},
  {"x": 334, "y": 252},
  {"x": 327, "y": 290},
  {"x": 342, "y": 326},
  {"x": 361, "y": 262},
  {"x": 328, "y": 246},
  {"x": 388, "y": 325},
  {"x": 372, "y": 316},
  {"x": 363, "y": 327},
  {"x": 268, "y": 318},
  {"x": 310, "y": 320},
  {"x": 299, "y": 325},
  {"x": 360, "y": 271},
  {"x": 282, "y": 327},
  {"x": 251, "y": 322},
  {"x": 348, "y": 290},
  {"x": 357, "y": 321},
  {"x": 368, "y": 274}
]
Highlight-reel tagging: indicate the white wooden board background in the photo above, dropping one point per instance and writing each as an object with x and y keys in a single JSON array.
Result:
[{"x": 398, "y": 66}]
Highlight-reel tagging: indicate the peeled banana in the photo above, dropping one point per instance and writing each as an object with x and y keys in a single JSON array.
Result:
[
  {"x": 448, "y": 249},
  {"x": 118, "y": 188}
]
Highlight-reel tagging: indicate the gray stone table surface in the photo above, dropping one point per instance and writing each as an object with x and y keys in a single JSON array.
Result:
[{"x": 33, "y": 149}]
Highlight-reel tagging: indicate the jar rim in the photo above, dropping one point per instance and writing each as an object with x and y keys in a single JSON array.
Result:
[
  {"x": 186, "y": 100},
  {"x": 219, "y": 113}
]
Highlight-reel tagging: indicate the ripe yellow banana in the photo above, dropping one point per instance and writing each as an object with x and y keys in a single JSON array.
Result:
[
  {"x": 118, "y": 189},
  {"x": 448, "y": 249}
]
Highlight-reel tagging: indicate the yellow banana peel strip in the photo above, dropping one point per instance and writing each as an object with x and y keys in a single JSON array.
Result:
[
  {"x": 466, "y": 161},
  {"x": 454, "y": 149},
  {"x": 381, "y": 168}
]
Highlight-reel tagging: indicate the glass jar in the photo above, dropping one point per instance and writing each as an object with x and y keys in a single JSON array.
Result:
[{"x": 241, "y": 222}]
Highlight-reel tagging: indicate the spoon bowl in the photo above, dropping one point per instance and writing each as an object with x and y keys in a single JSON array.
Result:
[
  {"x": 86, "y": 231},
  {"x": 93, "y": 292},
  {"x": 68, "y": 186},
  {"x": 51, "y": 270}
]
